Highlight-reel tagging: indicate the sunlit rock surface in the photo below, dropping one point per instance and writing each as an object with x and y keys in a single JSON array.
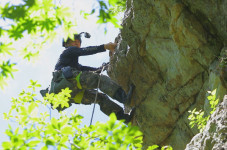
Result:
[{"x": 172, "y": 51}]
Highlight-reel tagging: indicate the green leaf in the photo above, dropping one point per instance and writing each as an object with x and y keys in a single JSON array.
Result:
[
  {"x": 44, "y": 148},
  {"x": 213, "y": 92},
  {"x": 153, "y": 147},
  {"x": 49, "y": 142},
  {"x": 6, "y": 48},
  {"x": 29, "y": 3},
  {"x": 166, "y": 148},
  {"x": 60, "y": 99},
  {"x": 67, "y": 130},
  {"x": 7, "y": 145},
  {"x": 112, "y": 118},
  {"x": 210, "y": 97},
  {"x": 31, "y": 107},
  {"x": 33, "y": 143},
  {"x": 54, "y": 122},
  {"x": 24, "y": 111},
  {"x": 6, "y": 69},
  {"x": 92, "y": 12}
]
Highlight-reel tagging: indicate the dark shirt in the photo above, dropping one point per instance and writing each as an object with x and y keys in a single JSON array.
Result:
[{"x": 70, "y": 56}]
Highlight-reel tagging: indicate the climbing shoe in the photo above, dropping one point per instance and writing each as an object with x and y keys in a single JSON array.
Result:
[
  {"x": 122, "y": 97},
  {"x": 122, "y": 116},
  {"x": 43, "y": 92},
  {"x": 127, "y": 107}
]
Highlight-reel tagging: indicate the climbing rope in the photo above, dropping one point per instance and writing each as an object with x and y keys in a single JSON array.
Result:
[{"x": 96, "y": 95}]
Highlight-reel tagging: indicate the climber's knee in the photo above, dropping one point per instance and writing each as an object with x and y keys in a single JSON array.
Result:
[
  {"x": 120, "y": 95},
  {"x": 89, "y": 80}
]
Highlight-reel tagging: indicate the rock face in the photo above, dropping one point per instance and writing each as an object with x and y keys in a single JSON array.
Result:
[
  {"x": 214, "y": 136},
  {"x": 172, "y": 51}
]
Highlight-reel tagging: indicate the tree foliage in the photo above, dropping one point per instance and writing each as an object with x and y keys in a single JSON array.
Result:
[
  {"x": 32, "y": 23},
  {"x": 198, "y": 118},
  {"x": 40, "y": 129},
  {"x": 37, "y": 128},
  {"x": 109, "y": 13}
]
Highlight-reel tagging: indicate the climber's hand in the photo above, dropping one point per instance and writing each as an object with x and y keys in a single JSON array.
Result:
[
  {"x": 98, "y": 71},
  {"x": 110, "y": 46},
  {"x": 102, "y": 68},
  {"x": 105, "y": 66}
]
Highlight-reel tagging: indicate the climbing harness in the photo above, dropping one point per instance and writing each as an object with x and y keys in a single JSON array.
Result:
[{"x": 96, "y": 95}]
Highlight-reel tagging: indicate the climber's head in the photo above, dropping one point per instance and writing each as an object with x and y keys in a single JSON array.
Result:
[{"x": 76, "y": 41}]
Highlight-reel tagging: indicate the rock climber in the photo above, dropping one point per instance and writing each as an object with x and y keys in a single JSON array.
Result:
[{"x": 83, "y": 80}]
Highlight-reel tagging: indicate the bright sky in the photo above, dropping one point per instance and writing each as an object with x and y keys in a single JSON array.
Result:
[{"x": 42, "y": 69}]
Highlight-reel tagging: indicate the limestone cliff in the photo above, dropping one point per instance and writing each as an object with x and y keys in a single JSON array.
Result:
[{"x": 172, "y": 51}]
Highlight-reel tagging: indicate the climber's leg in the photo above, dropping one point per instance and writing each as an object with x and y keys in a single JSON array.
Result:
[
  {"x": 106, "y": 105},
  {"x": 89, "y": 80}
]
